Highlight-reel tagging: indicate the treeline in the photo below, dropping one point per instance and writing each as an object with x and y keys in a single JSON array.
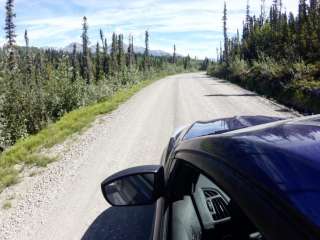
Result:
[
  {"x": 277, "y": 54},
  {"x": 38, "y": 86}
]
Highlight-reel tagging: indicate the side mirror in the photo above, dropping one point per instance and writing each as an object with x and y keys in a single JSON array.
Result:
[{"x": 134, "y": 186}]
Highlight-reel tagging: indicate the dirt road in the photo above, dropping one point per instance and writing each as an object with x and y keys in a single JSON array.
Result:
[{"x": 63, "y": 201}]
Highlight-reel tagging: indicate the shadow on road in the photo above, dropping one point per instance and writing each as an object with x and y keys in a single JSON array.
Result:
[
  {"x": 232, "y": 95},
  {"x": 122, "y": 223},
  {"x": 221, "y": 81},
  {"x": 283, "y": 110}
]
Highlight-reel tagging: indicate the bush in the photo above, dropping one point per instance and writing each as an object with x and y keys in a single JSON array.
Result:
[
  {"x": 268, "y": 77},
  {"x": 238, "y": 69},
  {"x": 218, "y": 70},
  {"x": 294, "y": 85}
]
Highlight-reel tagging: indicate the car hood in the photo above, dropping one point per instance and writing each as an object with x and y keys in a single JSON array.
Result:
[{"x": 214, "y": 127}]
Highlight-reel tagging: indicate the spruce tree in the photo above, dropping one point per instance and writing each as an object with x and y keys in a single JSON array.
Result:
[
  {"x": 86, "y": 52},
  {"x": 225, "y": 35},
  {"x": 28, "y": 56},
  {"x": 146, "y": 57},
  {"x": 10, "y": 35},
  {"x": 130, "y": 53},
  {"x": 263, "y": 12},
  {"x": 114, "y": 60},
  {"x": 120, "y": 54},
  {"x": 246, "y": 25},
  {"x": 105, "y": 64},
  {"x": 74, "y": 63},
  {"x": 174, "y": 56},
  {"x": 98, "y": 63}
]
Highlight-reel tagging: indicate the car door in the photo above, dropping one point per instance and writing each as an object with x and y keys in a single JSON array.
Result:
[
  {"x": 273, "y": 218},
  {"x": 199, "y": 209}
]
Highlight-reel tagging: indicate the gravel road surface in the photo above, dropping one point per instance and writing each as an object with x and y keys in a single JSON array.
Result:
[{"x": 62, "y": 201}]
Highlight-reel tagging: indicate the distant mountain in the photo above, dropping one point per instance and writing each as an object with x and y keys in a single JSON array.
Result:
[{"x": 137, "y": 49}]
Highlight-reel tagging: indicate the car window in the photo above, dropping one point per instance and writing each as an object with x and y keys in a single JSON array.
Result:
[{"x": 201, "y": 210}]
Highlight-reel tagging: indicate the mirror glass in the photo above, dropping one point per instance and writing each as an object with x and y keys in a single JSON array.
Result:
[{"x": 131, "y": 190}]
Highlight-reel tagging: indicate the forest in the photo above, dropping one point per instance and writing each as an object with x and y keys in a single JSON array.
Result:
[
  {"x": 277, "y": 54},
  {"x": 38, "y": 86}
]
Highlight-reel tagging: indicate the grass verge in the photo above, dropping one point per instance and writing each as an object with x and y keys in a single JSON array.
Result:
[
  {"x": 26, "y": 151},
  {"x": 6, "y": 205}
]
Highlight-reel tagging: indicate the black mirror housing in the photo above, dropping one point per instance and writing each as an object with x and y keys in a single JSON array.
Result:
[{"x": 134, "y": 186}]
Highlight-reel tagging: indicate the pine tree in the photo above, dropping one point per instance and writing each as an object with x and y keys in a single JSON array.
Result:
[
  {"x": 10, "y": 34},
  {"x": 130, "y": 54},
  {"x": 225, "y": 34},
  {"x": 86, "y": 64},
  {"x": 221, "y": 53},
  {"x": 263, "y": 12},
  {"x": 102, "y": 39},
  {"x": 246, "y": 24},
  {"x": 28, "y": 56},
  {"x": 120, "y": 54},
  {"x": 302, "y": 11},
  {"x": 114, "y": 47},
  {"x": 146, "y": 57},
  {"x": 105, "y": 63},
  {"x": 186, "y": 62},
  {"x": 98, "y": 63},
  {"x": 74, "y": 63},
  {"x": 174, "y": 56}
]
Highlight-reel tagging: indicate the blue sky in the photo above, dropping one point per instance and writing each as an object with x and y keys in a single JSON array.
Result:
[{"x": 193, "y": 25}]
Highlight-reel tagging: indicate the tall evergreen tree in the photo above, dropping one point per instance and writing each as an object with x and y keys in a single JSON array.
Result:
[
  {"x": 105, "y": 63},
  {"x": 28, "y": 56},
  {"x": 246, "y": 24},
  {"x": 98, "y": 63},
  {"x": 263, "y": 12},
  {"x": 10, "y": 34},
  {"x": 130, "y": 53},
  {"x": 146, "y": 60},
  {"x": 174, "y": 56},
  {"x": 114, "y": 60},
  {"x": 186, "y": 62},
  {"x": 120, "y": 54},
  {"x": 74, "y": 63},
  {"x": 225, "y": 34},
  {"x": 86, "y": 63}
]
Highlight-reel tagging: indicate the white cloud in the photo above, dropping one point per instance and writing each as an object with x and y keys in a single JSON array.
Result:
[{"x": 57, "y": 22}]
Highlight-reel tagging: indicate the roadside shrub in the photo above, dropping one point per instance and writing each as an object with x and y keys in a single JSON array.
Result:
[
  {"x": 218, "y": 70},
  {"x": 12, "y": 115},
  {"x": 303, "y": 71},
  {"x": 268, "y": 77},
  {"x": 238, "y": 68}
]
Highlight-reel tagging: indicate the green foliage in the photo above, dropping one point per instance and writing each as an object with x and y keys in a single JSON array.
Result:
[
  {"x": 7, "y": 204},
  {"x": 278, "y": 56},
  {"x": 26, "y": 150},
  {"x": 237, "y": 69}
]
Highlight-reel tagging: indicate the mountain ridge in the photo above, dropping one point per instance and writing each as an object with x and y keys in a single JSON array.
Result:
[{"x": 137, "y": 49}]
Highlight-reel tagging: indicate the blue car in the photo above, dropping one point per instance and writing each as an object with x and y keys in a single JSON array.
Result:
[{"x": 234, "y": 178}]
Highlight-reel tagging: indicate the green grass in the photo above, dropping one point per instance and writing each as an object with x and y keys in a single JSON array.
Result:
[
  {"x": 6, "y": 205},
  {"x": 26, "y": 151}
]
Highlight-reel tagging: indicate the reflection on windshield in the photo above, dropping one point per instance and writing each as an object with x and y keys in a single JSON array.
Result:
[{"x": 203, "y": 129}]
